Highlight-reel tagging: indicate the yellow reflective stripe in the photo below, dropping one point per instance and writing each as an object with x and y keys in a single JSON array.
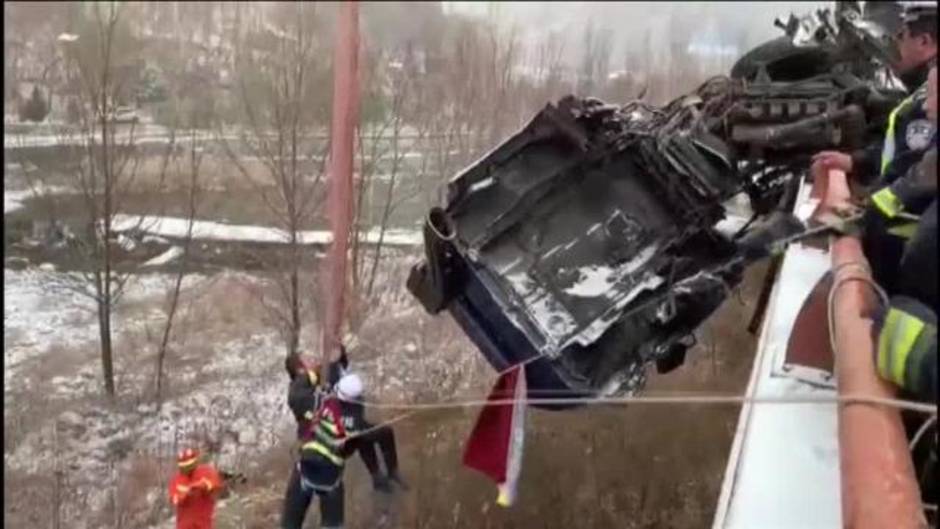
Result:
[
  {"x": 502, "y": 499},
  {"x": 904, "y": 231},
  {"x": 912, "y": 367},
  {"x": 330, "y": 427},
  {"x": 182, "y": 488},
  {"x": 188, "y": 462},
  {"x": 316, "y": 446},
  {"x": 887, "y": 202},
  {"x": 887, "y": 152},
  {"x": 884, "y": 343},
  {"x": 910, "y": 329},
  {"x": 207, "y": 482}
]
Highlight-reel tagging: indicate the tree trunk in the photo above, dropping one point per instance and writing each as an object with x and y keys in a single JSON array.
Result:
[
  {"x": 104, "y": 328},
  {"x": 294, "y": 338}
]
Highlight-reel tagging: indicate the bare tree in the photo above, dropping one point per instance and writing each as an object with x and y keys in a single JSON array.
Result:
[
  {"x": 193, "y": 170},
  {"x": 384, "y": 144},
  {"x": 549, "y": 74},
  {"x": 100, "y": 63},
  {"x": 598, "y": 46},
  {"x": 279, "y": 89}
]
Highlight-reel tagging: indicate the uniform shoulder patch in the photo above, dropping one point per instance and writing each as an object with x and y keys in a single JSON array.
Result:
[{"x": 918, "y": 134}]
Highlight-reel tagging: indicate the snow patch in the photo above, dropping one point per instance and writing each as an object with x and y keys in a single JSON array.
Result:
[
  {"x": 166, "y": 257},
  {"x": 176, "y": 228},
  {"x": 482, "y": 184},
  {"x": 592, "y": 282},
  {"x": 13, "y": 200},
  {"x": 596, "y": 328}
]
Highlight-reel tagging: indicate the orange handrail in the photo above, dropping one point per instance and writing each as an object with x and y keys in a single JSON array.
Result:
[{"x": 879, "y": 488}]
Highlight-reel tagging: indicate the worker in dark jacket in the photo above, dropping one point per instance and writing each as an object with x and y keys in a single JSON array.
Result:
[
  {"x": 907, "y": 132},
  {"x": 304, "y": 397},
  {"x": 365, "y": 436},
  {"x": 892, "y": 215},
  {"x": 907, "y": 329},
  {"x": 307, "y": 387},
  {"x": 335, "y": 431},
  {"x": 908, "y": 136},
  {"x": 319, "y": 470}
]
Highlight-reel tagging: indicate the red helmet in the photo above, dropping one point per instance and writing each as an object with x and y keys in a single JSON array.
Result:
[{"x": 187, "y": 458}]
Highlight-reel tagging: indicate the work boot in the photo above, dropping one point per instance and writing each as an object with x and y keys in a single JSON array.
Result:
[
  {"x": 381, "y": 483},
  {"x": 399, "y": 482}
]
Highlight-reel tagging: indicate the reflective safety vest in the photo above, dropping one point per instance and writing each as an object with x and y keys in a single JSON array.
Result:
[
  {"x": 326, "y": 433},
  {"x": 903, "y": 342},
  {"x": 887, "y": 152},
  {"x": 890, "y": 206}
]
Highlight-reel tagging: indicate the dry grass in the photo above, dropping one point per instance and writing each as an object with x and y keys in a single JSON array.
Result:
[{"x": 631, "y": 467}]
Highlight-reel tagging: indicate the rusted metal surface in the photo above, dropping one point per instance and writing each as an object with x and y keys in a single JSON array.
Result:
[
  {"x": 878, "y": 483},
  {"x": 345, "y": 117},
  {"x": 809, "y": 341}
]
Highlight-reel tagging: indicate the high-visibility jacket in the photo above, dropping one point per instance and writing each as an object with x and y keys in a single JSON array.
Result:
[
  {"x": 910, "y": 194},
  {"x": 908, "y": 135},
  {"x": 892, "y": 218},
  {"x": 326, "y": 433},
  {"x": 907, "y": 347},
  {"x": 193, "y": 496},
  {"x": 907, "y": 330},
  {"x": 907, "y": 131}
]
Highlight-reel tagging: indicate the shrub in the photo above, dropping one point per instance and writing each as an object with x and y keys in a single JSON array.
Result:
[{"x": 36, "y": 108}]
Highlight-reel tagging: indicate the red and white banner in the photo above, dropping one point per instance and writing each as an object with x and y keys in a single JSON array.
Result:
[{"x": 495, "y": 444}]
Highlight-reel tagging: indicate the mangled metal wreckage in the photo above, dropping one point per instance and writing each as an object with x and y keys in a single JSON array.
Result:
[{"x": 585, "y": 244}]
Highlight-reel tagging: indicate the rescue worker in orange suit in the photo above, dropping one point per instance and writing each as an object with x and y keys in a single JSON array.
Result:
[
  {"x": 907, "y": 138},
  {"x": 193, "y": 491}
]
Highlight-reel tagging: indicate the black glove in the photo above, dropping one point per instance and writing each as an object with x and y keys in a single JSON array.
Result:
[{"x": 761, "y": 241}]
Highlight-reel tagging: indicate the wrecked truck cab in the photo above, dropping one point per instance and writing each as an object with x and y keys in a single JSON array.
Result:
[
  {"x": 583, "y": 247},
  {"x": 587, "y": 245}
]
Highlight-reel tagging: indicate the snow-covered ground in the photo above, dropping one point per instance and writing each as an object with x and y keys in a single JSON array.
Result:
[
  {"x": 227, "y": 387},
  {"x": 13, "y": 199}
]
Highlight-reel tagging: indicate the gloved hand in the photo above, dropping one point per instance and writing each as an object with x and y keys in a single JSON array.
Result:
[
  {"x": 694, "y": 299},
  {"x": 761, "y": 241}
]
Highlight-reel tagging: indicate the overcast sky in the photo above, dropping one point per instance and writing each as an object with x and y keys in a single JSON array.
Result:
[{"x": 630, "y": 21}]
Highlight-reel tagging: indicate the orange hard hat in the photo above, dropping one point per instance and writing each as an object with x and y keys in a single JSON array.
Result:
[{"x": 187, "y": 458}]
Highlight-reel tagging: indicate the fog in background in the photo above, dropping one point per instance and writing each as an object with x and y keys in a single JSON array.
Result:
[{"x": 737, "y": 25}]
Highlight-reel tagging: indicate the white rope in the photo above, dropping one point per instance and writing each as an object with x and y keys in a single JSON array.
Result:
[
  {"x": 415, "y": 408},
  {"x": 922, "y": 430},
  {"x": 839, "y": 281}
]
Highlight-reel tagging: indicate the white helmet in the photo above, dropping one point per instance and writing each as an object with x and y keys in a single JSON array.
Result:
[{"x": 349, "y": 387}]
